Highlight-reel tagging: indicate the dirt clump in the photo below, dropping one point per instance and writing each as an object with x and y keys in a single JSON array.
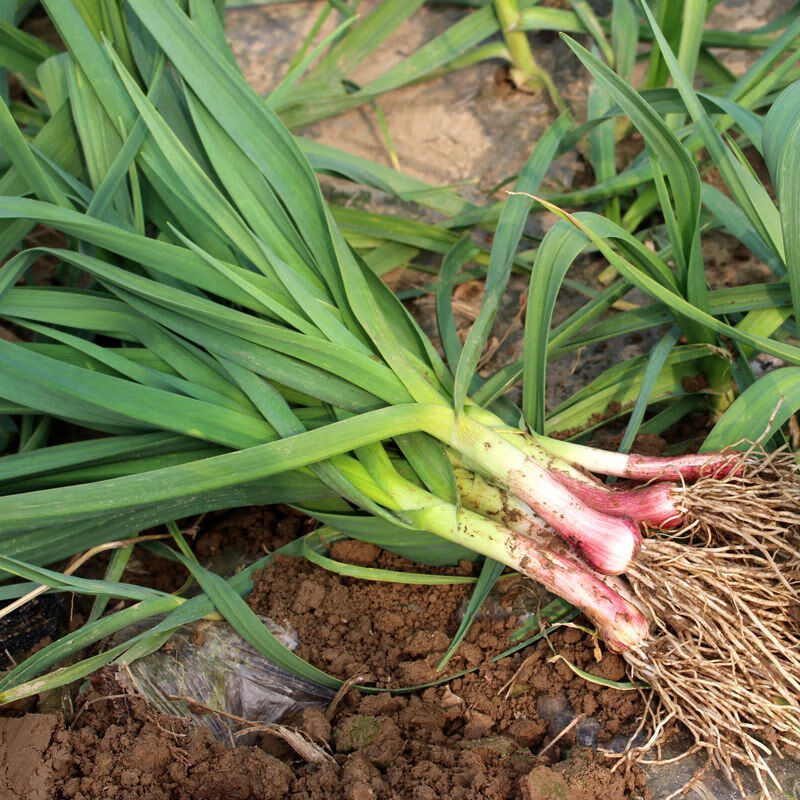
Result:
[
  {"x": 475, "y": 736},
  {"x": 581, "y": 777},
  {"x": 243, "y": 529},
  {"x": 347, "y": 626},
  {"x": 25, "y": 772},
  {"x": 392, "y": 748},
  {"x": 146, "y": 757}
]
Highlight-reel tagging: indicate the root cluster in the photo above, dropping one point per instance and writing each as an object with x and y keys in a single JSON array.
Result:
[
  {"x": 757, "y": 504},
  {"x": 724, "y": 657}
]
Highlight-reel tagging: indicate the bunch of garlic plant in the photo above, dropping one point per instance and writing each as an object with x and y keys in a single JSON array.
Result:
[{"x": 254, "y": 356}]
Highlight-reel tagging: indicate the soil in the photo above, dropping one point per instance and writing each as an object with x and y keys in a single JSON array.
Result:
[
  {"x": 396, "y": 634},
  {"x": 142, "y": 757},
  {"x": 482, "y": 735}
]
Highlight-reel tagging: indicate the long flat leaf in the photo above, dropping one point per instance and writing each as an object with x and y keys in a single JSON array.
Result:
[
  {"x": 454, "y": 259},
  {"x": 676, "y": 303},
  {"x": 747, "y": 191},
  {"x": 509, "y": 231},
  {"x": 63, "y": 390},
  {"x": 256, "y": 130},
  {"x": 241, "y": 617},
  {"x": 490, "y": 572},
  {"x": 64, "y": 456},
  {"x": 781, "y": 143},
  {"x": 556, "y": 254},
  {"x": 658, "y": 355},
  {"x": 254, "y": 463},
  {"x": 43, "y": 545},
  {"x": 675, "y": 160},
  {"x": 758, "y": 412}
]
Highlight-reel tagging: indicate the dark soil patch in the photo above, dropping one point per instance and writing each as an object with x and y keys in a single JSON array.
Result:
[{"x": 35, "y": 624}]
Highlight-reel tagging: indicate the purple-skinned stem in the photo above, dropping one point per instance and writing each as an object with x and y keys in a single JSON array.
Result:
[
  {"x": 686, "y": 468},
  {"x": 577, "y": 459},
  {"x": 619, "y": 623},
  {"x": 489, "y": 501},
  {"x": 657, "y": 505},
  {"x": 607, "y": 542}
]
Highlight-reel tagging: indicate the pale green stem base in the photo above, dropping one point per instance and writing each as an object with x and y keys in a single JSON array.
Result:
[{"x": 525, "y": 72}]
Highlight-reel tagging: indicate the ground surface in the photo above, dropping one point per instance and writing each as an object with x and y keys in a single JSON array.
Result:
[{"x": 482, "y": 735}]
